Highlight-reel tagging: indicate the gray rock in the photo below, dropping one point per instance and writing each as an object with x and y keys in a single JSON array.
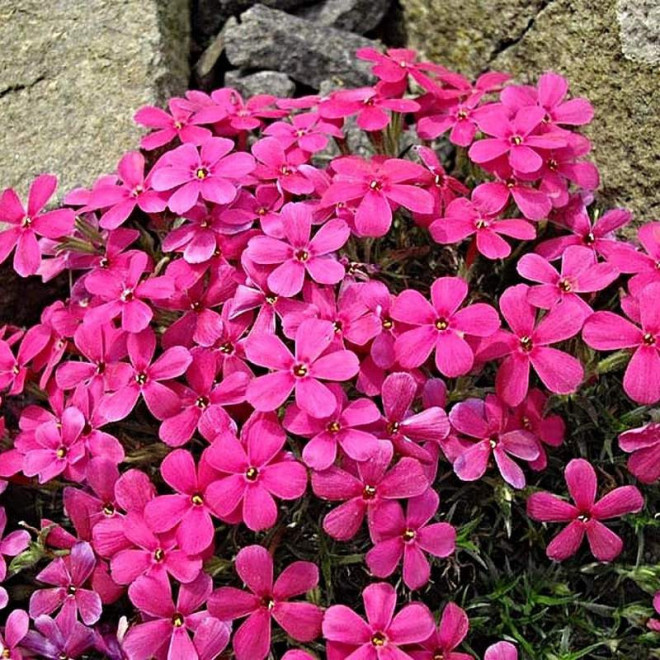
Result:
[
  {"x": 73, "y": 73},
  {"x": 353, "y": 15},
  {"x": 639, "y": 23},
  {"x": 262, "y": 82},
  {"x": 309, "y": 53}
]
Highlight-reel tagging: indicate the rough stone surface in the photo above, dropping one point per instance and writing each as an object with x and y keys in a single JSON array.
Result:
[
  {"x": 262, "y": 82},
  {"x": 353, "y": 15},
  {"x": 606, "y": 48},
  {"x": 73, "y": 73},
  {"x": 309, "y": 53}
]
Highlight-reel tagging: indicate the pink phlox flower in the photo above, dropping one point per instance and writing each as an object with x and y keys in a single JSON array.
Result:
[
  {"x": 14, "y": 370},
  {"x": 169, "y": 625},
  {"x": 383, "y": 634},
  {"x": 518, "y": 138},
  {"x": 25, "y": 224},
  {"x": 189, "y": 510},
  {"x": 479, "y": 218},
  {"x": 63, "y": 636},
  {"x": 339, "y": 430},
  {"x": 487, "y": 422},
  {"x": 268, "y": 202},
  {"x": 378, "y": 299},
  {"x": 300, "y": 372},
  {"x": 256, "y": 470},
  {"x": 202, "y": 403},
  {"x": 529, "y": 346},
  {"x": 396, "y": 64},
  {"x": 211, "y": 172},
  {"x": 364, "y": 488},
  {"x": 124, "y": 293},
  {"x": 143, "y": 378},
  {"x": 531, "y": 416},
  {"x": 267, "y": 600},
  {"x": 459, "y": 117},
  {"x": 68, "y": 576},
  {"x": 586, "y": 515},
  {"x": 379, "y": 186},
  {"x": 231, "y": 342},
  {"x": 501, "y": 651},
  {"x": 654, "y": 624},
  {"x": 405, "y": 429},
  {"x": 606, "y": 331},
  {"x": 449, "y": 634},
  {"x": 645, "y": 265},
  {"x": 407, "y": 537},
  {"x": 111, "y": 253},
  {"x": 168, "y": 126},
  {"x": 599, "y": 236},
  {"x": 300, "y": 255},
  {"x": 307, "y": 131},
  {"x": 441, "y": 326},
  {"x": 580, "y": 274},
  {"x": 282, "y": 166},
  {"x": 297, "y": 654},
  {"x": 15, "y": 630},
  {"x": 10, "y": 546},
  {"x": 643, "y": 444},
  {"x": 133, "y": 190}
]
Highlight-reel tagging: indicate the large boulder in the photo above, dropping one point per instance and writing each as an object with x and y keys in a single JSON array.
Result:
[
  {"x": 73, "y": 73},
  {"x": 608, "y": 49}
]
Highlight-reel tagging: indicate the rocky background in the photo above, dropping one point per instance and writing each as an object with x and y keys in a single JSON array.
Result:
[{"x": 72, "y": 73}]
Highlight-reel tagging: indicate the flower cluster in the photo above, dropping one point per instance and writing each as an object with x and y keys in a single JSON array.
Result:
[{"x": 261, "y": 321}]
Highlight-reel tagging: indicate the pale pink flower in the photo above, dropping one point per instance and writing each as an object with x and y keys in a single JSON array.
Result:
[{"x": 501, "y": 651}]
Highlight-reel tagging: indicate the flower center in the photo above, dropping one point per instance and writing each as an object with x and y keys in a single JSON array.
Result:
[
  {"x": 126, "y": 295},
  {"x": 109, "y": 509},
  {"x": 262, "y": 210},
  {"x": 584, "y": 517},
  {"x": 552, "y": 165},
  {"x": 271, "y": 299},
  {"x": 492, "y": 441},
  {"x": 197, "y": 499},
  {"x": 159, "y": 554},
  {"x": 388, "y": 324},
  {"x": 300, "y": 370},
  {"x": 439, "y": 655},
  {"x": 27, "y": 221},
  {"x": 100, "y": 368},
  {"x": 177, "y": 620},
  {"x": 201, "y": 173},
  {"x": 526, "y": 343},
  {"x": 137, "y": 191},
  {"x": 649, "y": 339},
  {"x": 71, "y": 590},
  {"x": 6, "y": 653},
  {"x": 378, "y": 639},
  {"x": 202, "y": 402},
  {"x": 104, "y": 262},
  {"x": 16, "y": 370},
  {"x": 251, "y": 474},
  {"x": 268, "y": 602},
  {"x": 393, "y": 427},
  {"x": 334, "y": 427},
  {"x": 375, "y": 185},
  {"x": 462, "y": 114},
  {"x": 141, "y": 378},
  {"x": 526, "y": 423},
  {"x": 481, "y": 223},
  {"x": 61, "y": 452},
  {"x": 441, "y": 324},
  {"x": 517, "y": 140},
  {"x": 408, "y": 535},
  {"x": 590, "y": 239},
  {"x": 369, "y": 492},
  {"x": 227, "y": 348},
  {"x": 285, "y": 171},
  {"x": 565, "y": 286},
  {"x": 301, "y": 255},
  {"x": 439, "y": 180}
]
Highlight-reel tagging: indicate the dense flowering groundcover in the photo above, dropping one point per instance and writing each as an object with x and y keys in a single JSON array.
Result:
[{"x": 367, "y": 376}]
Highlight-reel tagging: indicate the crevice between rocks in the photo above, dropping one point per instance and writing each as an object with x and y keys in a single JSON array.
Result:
[{"x": 12, "y": 89}]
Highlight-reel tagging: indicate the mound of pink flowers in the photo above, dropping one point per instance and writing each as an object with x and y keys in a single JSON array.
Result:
[{"x": 265, "y": 320}]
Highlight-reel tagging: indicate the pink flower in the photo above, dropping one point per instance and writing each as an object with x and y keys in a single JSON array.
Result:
[
  {"x": 533, "y": 204},
  {"x": 366, "y": 487},
  {"x": 487, "y": 421},
  {"x": 255, "y": 470},
  {"x": 267, "y": 600},
  {"x": 451, "y": 631},
  {"x": 341, "y": 429},
  {"x": 190, "y": 509},
  {"x": 212, "y": 173},
  {"x": 383, "y": 633},
  {"x": 528, "y": 345},
  {"x": 10, "y": 546},
  {"x": 460, "y": 117},
  {"x": 501, "y": 651},
  {"x": 408, "y": 536},
  {"x": 63, "y": 636},
  {"x": 18, "y": 623},
  {"x": 308, "y": 131},
  {"x": 26, "y": 224},
  {"x": 606, "y": 331},
  {"x": 378, "y": 186},
  {"x": 441, "y": 326},
  {"x": 169, "y": 625},
  {"x": 654, "y": 624},
  {"x": 68, "y": 575},
  {"x": 479, "y": 218},
  {"x": 514, "y": 137},
  {"x": 143, "y": 378},
  {"x": 646, "y": 266},
  {"x": 284, "y": 167},
  {"x": 586, "y": 515},
  {"x": 396, "y": 64},
  {"x": 299, "y": 255},
  {"x": 580, "y": 273},
  {"x": 301, "y": 372},
  {"x": 644, "y": 446}
]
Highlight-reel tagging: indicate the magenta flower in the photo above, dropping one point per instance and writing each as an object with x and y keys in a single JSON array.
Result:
[
  {"x": 68, "y": 575},
  {"x": 606, "y": 331},
  {"x": 365, "y": 488},
  {"x": 654, "y": 624},
  {"x": 143, "y": 378},
  {"x": 449, "y": 634},
  {"x": 501, "y": 651},
  {"x": 283, "y": 167},
  {"x": 645, "y": 265},
  {"x": 478, "y": 218},
  {"x": 529, "y": 345},
  {"x": 396, "y": 64},
  {"x": 301, "y": 372},
  {"x": 16, "y": 628},
  {"x": 26, "y": 224},
  {"x": 398, "y": 536},
  {"x": 460, "y": 119},
  {"x": 580, "y": 273},
  {"x": 644, "y": 446},
  {"x": 169, "y": 625},
  {"x": 300, "y": 255},
  {"x": 307, "y": 131},
  {"x": 585, "y": 516},
  {"x": 486, "y": 421},
  {"x": 62, "y": 637},
  {"x": 378, "y": 187},
  {"x": 441, "y": 326},
  {"x": 10, "y": 546},
  {"x": 210, "y": 173},
  {"x": 257, "y": 470},
  {"x": 515, "y": 138},
  {"x": 383, "y": 633},
  {"x": 533, "y": 204},
  {"x": 267, "y": 600},
  {"x": 189, "y": 510}
]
